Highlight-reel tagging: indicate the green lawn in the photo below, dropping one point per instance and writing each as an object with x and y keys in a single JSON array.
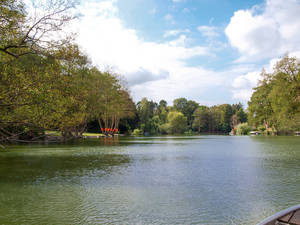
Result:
[
  {"x": 92, "y": 134},
  {"x": 56, "y": 133}
]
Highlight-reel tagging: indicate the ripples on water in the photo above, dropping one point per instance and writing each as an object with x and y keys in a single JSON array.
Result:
[{"x": 171, "y": 180}]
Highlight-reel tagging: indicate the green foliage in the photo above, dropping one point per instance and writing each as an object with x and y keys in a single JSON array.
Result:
[
  {"x": 137, "y": 132},
  {"x": 23, "y": 34},
  {"x": 148, "y": 116},
  {"x": 53, "y": 86},
  {"x": 261, "y": 128},
  {"x": 186, "y": 107},
  {"x": 180, "y": 104},
  {"x": 201, "y": 116},
  {"x": 226, "y": 114},
  {"x": 189, "y": 132},
  {"x": 241, "y": 115},
  {"x": 275, "y": 104},
  {"x": 243, "y": 129},
  {"x": 178, "y": 122},
  {"x": 204, "y": 119},
  {"x": 166, "y": 128}
]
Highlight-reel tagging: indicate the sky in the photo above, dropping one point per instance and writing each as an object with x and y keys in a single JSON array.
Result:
[{"x": 209, "y": 51}]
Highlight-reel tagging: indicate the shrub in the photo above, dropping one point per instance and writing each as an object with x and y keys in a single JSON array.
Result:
[
  {"x": 177, "y": 122},
  {"x": 189, "y": 132},
  {"x": 165, "y": 128},
  {"x": 243, "y": 129},
  {"x": 137, "y": 132},
  {"x": 261, "y": 128}
]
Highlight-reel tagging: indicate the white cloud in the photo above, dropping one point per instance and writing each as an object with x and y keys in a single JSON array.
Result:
[
  {"x": 243, "y": 95},
  {"x": 243, "y": 85},
  {"x": 142, "y": 76},
  {"x": 170, "y": 33},
  {"x": 266, "y": 32},
  {"x": 155, "y": 70},
  {"x": 176, "y": 1},
  {"x": 246, "y": 81},
  {"x": 208, "y": 31},
  {"x": 179, "y": 41},
  {"x": 189, "y": 82}
]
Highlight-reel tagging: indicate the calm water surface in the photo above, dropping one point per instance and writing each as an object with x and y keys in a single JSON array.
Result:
[{"x": 165, "y": 180}]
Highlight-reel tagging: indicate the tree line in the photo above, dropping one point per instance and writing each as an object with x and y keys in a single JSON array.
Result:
[
  {"x": 48, "y": 83},
  {"x": 186, "y": 116},
  {"x": 274, "y": 108}
]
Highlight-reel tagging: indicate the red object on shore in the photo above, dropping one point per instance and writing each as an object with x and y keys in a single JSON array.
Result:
[{"x": 101, "y": 129}]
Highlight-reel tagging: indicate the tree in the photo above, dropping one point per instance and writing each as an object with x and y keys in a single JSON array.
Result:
[
  {"x": 260, "y": 109},
  {"x": 162, "y": 111},
  {"x": 201, "y": 118},
  {"x": 146, "y": 110},
  {"x": 236, "y": 107},
  {"x": 241, "y": 115},
  {"x": 48, "y": 83},
  {"x": 177, "y": 122},
  {"x": 189, "y": 111},
  {"x": 180, "y": 104},
  {"x": 214, "y": 118},
  {"x": 23, "y": 33},
  {"x": 243, "y": 129},
  {"x": 275, "y": 103},
  {"x": 186, "y": 107}
]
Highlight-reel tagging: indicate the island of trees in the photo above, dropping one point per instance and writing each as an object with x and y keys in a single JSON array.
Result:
[{"x": 48, "y": 84}]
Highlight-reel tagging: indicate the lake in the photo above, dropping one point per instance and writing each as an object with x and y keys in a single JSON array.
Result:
[{"x": 155, "y": 180}]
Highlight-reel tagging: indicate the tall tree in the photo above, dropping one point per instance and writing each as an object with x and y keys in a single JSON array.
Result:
[
  {"x": 201, "y": 118},
  {"x": 275, "y": 103},
  {"x": 25, "y": 33},
  {"x": 177, "y": 121},
  {"x": 186, "y": 107}
]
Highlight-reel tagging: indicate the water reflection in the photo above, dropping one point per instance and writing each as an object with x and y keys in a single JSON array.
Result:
[
  {"x": 36, "y": 168},
  {"x": 110, "y": 140},
  {"x": 52, "y": 185}
]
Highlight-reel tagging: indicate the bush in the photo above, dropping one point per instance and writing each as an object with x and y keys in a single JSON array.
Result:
[
  {"x": 261, "y": 128},
  {"x": 165, "y": 128},
  {"x": 189, "y": 132},
  {"x": 177, "y": 122},
  {"x": 137, "y": 132},
  {"x": 243, "y": 129}
]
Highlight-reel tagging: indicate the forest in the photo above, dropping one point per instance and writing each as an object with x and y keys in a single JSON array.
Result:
[
  {"x": 49, "y": 84},
  {"x": 186, "y": 116}
]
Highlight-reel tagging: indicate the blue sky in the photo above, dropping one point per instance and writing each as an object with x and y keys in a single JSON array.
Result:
[{"x": 210, "y": 51}]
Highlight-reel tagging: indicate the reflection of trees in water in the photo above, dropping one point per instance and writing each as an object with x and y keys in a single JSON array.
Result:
[
  {"x": 110, "y": 140},
  {"x": 59, "y": 168},
  {"x": 54, "y": 189}
]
